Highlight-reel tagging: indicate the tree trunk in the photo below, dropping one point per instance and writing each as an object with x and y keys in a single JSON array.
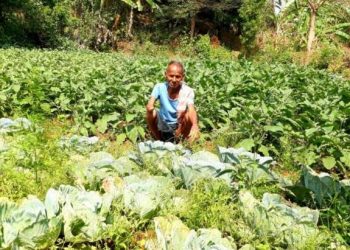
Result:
[
  {"x": 131, "y": 20},
  {"x": 116, "y": 22},
  {"x": 114, "y": 29},
  {"x": 311, "y": 33},
  {"x": 278, "y": 28},
  {"x": 312, "y": 27},
  {"x": 193, "y": 26}
]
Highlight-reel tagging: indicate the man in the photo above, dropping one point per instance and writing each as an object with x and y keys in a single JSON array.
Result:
[{"x": 177, "y": 117}]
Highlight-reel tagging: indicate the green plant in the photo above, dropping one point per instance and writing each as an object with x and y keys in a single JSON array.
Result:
[
  {"x": 335, "y": 217},
  {"x": 204, "y": 49},
  {"x": 252, "y": 14},
  {"x": 32, "y": 164},
  {"x": 328, "y": 57},
  {"x": 184, "y": 45},
  {"x": 274, "y": 105},
  {"x": 202, "y": 46},
  {"x": 210, "y": 205}
]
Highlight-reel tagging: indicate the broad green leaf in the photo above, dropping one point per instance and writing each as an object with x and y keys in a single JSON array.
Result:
[
  {"x": 345, "y": 158},
  {"x": 55, "y": 89},
  {"x": 263, "y": 149},
  {"x": 26, "y": 100},
  {"x": 310, "y": 131},
  {"x": 343, "y": 35},
  {"x": 328, "y": 129},
  {"x": 273, "y": 128},
  {"x": 83, "y": 131},
  {"x": 247, "y": 144},
  {"x": 133, "y": 134},
  {"x": 120, "y": 138},
  {"x": 3, "y": 97},
  {"x": 306, "y": 157},
  {"x": 102, "y": 124},
  {"x": 329, "y": 162},
  {"x": 16, "y": 87},
  {"x": 129, "y": 117},
  {"x": 293, "y": 122},
  {"x": 45, "y": 107},
  {"x": 274, "y": 214},
  {"x": 323, "y": 185},
  {"x": 141, "y": 132},
  {"x": 233, "y": 113}
]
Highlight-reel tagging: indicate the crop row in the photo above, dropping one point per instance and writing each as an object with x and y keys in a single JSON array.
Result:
[
  {"x": 297, "y": 115},
  {"x": 155, "y": 189}
]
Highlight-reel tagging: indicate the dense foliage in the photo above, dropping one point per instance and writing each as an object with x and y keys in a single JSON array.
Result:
[
  {"x": 108, "y": 24},
  {"x": 252, "y": 13},
  {"x": 276, "y": 127},
  {"x": 271, "y": 169},
  {"x": 156, "y": 191},
  {"x": 299, "y": 115}
]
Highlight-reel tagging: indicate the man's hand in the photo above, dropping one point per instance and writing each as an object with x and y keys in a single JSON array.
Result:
[
  {"x": 149, "y": 109},
  {"x": 194, "y": 134},
  {"x": 151, "y": 117},
  {"x": 192, "y": 116},
  {"x": 150, "y": 105}
]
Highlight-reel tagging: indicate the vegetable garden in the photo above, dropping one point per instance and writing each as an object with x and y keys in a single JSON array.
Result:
[{"x": 269, "y": 172}]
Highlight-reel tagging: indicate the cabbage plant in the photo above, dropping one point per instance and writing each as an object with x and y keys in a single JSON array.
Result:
[{"x": 28, "y": 225}]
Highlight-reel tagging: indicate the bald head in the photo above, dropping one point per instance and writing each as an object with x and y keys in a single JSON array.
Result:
[
  {"x": 176, "y": 64},
  {"x": 174, "y": 75}
]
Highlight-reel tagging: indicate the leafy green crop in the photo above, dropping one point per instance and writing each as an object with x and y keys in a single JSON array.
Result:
[
  {"x": 299, "y": 116},
  {"x": 118, "y": 202}
]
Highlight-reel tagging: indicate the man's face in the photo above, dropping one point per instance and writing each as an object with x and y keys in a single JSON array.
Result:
[{"x": 174, "y": 76}]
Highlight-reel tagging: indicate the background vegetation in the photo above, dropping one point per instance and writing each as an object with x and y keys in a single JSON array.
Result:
[
  {"x": 253, "y": 28},
  {"x": 273, "y": 82}
]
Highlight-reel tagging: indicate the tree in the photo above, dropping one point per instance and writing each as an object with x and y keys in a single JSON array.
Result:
[
  {"x": 314, "y": 6},
  {"x": 101, "y": 18},
  {"x": 251, "y": 13},
  {"x": 136, "y": 4},
  {"x": 188, "y": 9},
  {"x": 32, "y": 22}
]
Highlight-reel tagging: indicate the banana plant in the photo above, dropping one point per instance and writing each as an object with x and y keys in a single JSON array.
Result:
[
  {"x": 133, "y": 4},
  {"x": 136, "y": 4}
]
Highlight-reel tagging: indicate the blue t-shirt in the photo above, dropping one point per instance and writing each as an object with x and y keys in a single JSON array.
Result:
[{"x": 168, "y": 106}]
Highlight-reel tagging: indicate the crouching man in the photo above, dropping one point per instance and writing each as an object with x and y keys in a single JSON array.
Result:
[{"x": 177, "y": 117}]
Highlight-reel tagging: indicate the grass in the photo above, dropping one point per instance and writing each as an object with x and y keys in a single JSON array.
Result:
[{"x": 34, "y": 162}]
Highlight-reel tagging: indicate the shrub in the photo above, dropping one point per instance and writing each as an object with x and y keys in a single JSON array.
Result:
[
  {"x": 327, "y": 56},
  {"x": 205, "y": 50},
  {"x": 210, "y": 205}
]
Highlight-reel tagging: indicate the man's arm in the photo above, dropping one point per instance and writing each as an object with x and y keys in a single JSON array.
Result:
[
  {"x": 192, "y": 115},
  {"x": 151, "y": 117},
  {"x": 150, "y": 105}
]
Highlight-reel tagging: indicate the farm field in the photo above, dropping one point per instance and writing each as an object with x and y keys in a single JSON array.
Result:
[{"x": 270, "y": 171}]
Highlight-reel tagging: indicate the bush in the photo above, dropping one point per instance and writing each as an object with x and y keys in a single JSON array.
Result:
[
  {"x": 252, "y": 15},
  {"x": 328, "y": 57},
  {"x": 149, "y": 48},
  {"x": 210, "y": 206},
  {"x": 274, "y": 48},
  {"x": 184, "y": 45},
  {"x": 202, "y": 46},
  {"x": 205, "y": 50}
]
